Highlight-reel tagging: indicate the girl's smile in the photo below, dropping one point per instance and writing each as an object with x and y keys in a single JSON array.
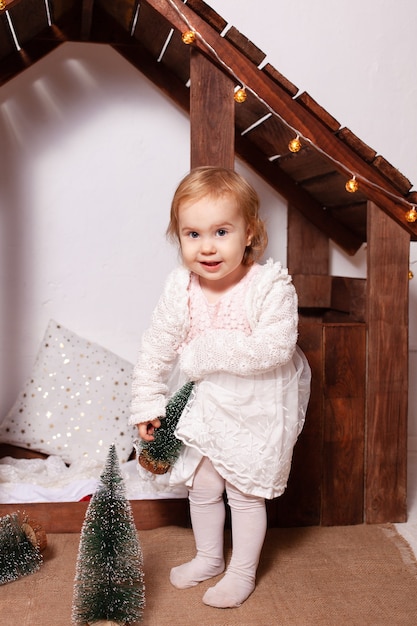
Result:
[{"x": 210, "y": 263}]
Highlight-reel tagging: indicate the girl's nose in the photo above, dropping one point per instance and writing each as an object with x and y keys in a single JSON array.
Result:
[{"x": 208, "y": 245}]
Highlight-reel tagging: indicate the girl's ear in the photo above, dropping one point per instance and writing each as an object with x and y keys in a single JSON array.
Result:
[{"x": 249, "y": 236}]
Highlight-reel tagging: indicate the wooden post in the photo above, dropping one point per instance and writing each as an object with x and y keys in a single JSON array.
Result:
[
  {"x": 211, "y": 114},
  {"x": 387, "y": 388}
]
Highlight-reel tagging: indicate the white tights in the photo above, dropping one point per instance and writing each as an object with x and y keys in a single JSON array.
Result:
[{"x": 207, "y": 518}]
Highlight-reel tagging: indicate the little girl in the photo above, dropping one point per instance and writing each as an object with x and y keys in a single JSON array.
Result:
[{"x": 230, "y": 324}]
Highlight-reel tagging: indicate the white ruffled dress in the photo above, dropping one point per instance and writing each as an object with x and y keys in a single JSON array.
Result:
[{"x": 252, "y": 387}]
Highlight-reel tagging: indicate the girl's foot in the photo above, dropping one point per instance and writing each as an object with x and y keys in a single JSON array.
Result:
[
  {"x": 194, "y": 572},
  {"x": 231, "y": 591}
]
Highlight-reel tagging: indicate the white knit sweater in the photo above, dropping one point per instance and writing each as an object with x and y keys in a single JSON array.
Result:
[{"x": 271, "y": 309}]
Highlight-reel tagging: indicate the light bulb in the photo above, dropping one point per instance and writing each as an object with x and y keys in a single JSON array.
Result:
[
  {"x": 295, "y": 144},
  {"x": 352, "y": 185},
  {"x": 410, "y": 275},
  {"x": 188, "y": 37},
  {"x": 411, "y": 215},
  {"x": 240, "y": 95}
]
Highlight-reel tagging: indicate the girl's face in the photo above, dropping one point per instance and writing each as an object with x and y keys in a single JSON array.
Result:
[{"x": 213, "y": 236}]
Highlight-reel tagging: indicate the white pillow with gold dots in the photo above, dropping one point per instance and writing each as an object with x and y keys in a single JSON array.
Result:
[{"x": 76, "y": 402}]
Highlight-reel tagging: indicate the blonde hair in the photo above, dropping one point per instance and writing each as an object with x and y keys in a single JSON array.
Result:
[{"x": 216, "y": 182}]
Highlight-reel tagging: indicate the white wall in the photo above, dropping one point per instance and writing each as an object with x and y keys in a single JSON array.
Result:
[{"x": 92, "y": 153}]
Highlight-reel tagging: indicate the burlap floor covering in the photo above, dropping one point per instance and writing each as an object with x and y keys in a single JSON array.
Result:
[{"x": 354, "y": 575}]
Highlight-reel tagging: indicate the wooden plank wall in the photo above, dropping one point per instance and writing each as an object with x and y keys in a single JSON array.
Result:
[
  {"x": 344, "y": 386},
  {"x": 327, "y": 479},
  {"x": 362, "y": 378}
]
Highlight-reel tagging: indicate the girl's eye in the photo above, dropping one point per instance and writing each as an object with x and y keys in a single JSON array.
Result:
[
  {"x": 193, "y": 235},
  {"x": 222, "y": 232}
]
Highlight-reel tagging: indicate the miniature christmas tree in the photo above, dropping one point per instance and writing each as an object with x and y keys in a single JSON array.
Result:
[
  {"x": 21, "y": 542},
  {"x": 109, "y": 580},
  {"x": 158, "y": 455}
]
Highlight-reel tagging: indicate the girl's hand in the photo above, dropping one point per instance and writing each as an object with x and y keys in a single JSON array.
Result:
[{"x": 147, "y": 429}]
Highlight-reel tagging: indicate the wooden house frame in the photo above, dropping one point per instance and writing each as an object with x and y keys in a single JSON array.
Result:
[{"x": 350, "y": 461}]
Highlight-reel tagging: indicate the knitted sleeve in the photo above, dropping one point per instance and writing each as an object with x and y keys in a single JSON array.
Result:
[
  {"x": 272, "y": 311},
  {"x": 159, "y": 348}
]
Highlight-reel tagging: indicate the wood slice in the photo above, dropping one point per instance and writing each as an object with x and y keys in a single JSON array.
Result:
[
  {"x": 151, "y": 465},
  {"x": 106, "y": 623},
  {"x": 34, "y": 532}
]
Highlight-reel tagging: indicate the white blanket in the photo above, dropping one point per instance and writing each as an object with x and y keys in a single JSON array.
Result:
[{"x": 50, "y": 480}]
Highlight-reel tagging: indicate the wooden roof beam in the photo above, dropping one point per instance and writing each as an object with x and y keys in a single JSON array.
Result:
[
  {"x": 34, "y": 50},
  {"x": 9, "y": 4},
  {"x": 298, "y": 197}
]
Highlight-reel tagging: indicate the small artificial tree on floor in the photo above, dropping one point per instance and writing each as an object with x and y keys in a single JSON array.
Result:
[
  {"x": 109, "y": 580},
  {"x": 158, "y": 455},
  {"x": 21, "y": 542}
]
